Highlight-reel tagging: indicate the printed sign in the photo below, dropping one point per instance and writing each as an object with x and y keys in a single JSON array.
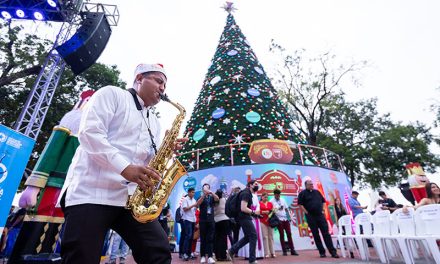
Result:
[
  {"x": 15, "y": 150},
  {"x": 270, "y": 151},
  {"x": 278, "y": 179}
]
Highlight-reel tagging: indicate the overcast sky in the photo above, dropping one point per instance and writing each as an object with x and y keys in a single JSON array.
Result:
[{"x": 399, "y": 38}]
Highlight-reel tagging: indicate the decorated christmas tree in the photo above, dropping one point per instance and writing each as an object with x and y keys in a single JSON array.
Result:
[{"x": 237, "y": 105}]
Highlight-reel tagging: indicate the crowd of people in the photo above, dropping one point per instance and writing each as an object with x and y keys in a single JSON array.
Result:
[
  {"x": 204, "y": 220},
  {"x": 251, "y": 233},
  {"x": 119, "y": 134}
]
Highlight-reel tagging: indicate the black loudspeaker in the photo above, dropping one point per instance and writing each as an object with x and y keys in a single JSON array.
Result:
[{"x": 83, "y": 49}]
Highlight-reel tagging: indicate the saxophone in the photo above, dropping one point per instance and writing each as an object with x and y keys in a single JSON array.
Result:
[{"x": 146, "y": 205}]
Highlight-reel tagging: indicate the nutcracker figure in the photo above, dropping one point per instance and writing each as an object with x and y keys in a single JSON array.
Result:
[
  {"x": 417, "y": 180},
  {"x": 43, "y": 221}
]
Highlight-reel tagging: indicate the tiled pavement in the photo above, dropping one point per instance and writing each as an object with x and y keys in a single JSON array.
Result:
[{"x": 305, "y": 257}]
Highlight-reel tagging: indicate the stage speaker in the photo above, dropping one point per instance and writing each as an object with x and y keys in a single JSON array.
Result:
[{"x": 83, "y": 49}]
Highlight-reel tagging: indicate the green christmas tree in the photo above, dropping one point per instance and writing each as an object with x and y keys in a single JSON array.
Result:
[{"x": 236, "y": 105}]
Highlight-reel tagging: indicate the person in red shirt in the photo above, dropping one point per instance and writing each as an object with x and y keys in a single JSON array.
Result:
[{"x": 266, "y": 208}]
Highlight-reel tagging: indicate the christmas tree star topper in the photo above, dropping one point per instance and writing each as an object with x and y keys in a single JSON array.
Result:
[{"x": 228, "y": 7}]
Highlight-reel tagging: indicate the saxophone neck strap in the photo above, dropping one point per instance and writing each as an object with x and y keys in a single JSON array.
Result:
[
  {"x": 136, "y": 100},
  {"x": 139, "y": 107}
]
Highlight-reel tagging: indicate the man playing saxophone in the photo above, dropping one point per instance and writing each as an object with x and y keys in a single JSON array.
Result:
[{"x": 118, "y": 137}]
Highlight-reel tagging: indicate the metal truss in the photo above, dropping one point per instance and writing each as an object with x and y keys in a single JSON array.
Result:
[
  {"x": 32, "y": 116},
  {"x": 111, "y": 11},
  {"x": 34, "y": 112}
]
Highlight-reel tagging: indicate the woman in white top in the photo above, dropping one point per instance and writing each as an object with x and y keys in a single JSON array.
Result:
[
  {"x": 433, "y": 196},
  {"x": 222, "y": 228}
]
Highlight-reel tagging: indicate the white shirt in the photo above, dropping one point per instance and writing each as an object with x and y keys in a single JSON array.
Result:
[
  {"x": 112, "y": 135},
  {"x": 278, "y": 204},
  {"x": 190, "y": 214}
]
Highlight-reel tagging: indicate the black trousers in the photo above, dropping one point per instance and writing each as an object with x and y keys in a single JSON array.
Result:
[
  {"x": 86, "y": 226},
  {"x": 164, "y": 224},
  {"x": 250, "y": 236},
  {"x": 181, "y": 239},
  {"x": 222, "y": 229},
  {"x": 207, "y": 231},
  {"x": 316, "y": 223},
  {"x": 235, "y": 227}
]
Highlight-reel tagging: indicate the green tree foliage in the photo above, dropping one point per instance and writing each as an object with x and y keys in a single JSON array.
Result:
[
  {"x": 307, "y": 85},
  {"x": 375, "y": 149},
  {"x": 21, "y": 59},
  {"x": 395, "y": 147}
]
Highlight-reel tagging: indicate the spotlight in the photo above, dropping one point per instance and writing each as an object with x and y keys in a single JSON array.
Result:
[
  {"x": 38, "y": 15},
  {"x": 19, "y": 13},
  {"x": 52, "y": 3},
  {"x": 6, "y": 15}
]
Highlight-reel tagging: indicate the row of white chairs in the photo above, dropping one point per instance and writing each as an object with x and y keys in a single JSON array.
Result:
[{"x": 397, "y": 234}]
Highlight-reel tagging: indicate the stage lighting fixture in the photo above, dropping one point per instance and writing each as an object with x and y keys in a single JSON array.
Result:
[
  {"x": 19, "y": 13},
  {"x": 52, "y": 3},
  {"x": 6, "y": 15},
  {"x": 38, "y": 15}
]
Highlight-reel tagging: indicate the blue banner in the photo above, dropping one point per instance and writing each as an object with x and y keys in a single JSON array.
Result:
[{"x": 15, "y": 150}]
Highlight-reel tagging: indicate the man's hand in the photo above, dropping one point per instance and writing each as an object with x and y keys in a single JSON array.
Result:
[
  {"x": 141, "y": 175},
  {"x": 29, "y": 197},
  {"x": 178, "y": 144}
]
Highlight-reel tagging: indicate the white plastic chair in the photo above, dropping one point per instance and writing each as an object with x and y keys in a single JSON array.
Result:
[
  {"x": 427, "y": 220},
  {"x": 382, "y": 229},
  {"x": 335, "y": 234},
  {"x": 402, "y": 227},
  {"x": 364, "y": 221},
  {"x": 345, "y": 235}
]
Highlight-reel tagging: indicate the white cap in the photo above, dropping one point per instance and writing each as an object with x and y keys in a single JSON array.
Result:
[{"x": 143, "y": 68}]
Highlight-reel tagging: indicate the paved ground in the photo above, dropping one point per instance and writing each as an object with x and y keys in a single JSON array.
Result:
[{"x": 305, "y": 257}]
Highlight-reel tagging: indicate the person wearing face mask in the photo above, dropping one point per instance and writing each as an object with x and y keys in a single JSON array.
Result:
[
  {"x": 248, "y": 211},
  {"x": 207, "y": 224},
  {"x": 118, "y": 137}
]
